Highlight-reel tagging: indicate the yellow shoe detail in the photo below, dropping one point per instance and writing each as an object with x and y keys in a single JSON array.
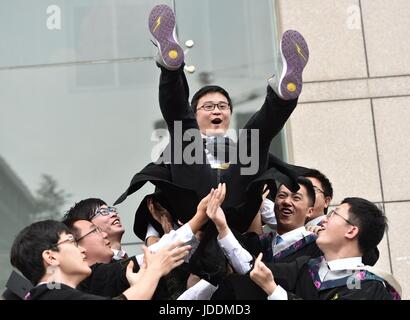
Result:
[
  {"x": 173, "y": 54},
  {"x": 291, "y": 87},
  {"x": 158, "y": 23},
  {"x": 299, "y": 51}
]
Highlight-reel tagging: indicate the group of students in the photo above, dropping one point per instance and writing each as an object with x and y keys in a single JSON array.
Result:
[{"x": 213, "y": 232}]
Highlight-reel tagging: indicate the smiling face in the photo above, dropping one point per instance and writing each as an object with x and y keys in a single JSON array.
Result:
[
  {"x": 335, "y": 229},
  {"x": 216, "y": 122},
  {"x": 291, "y": 209},
  {"x": 72, "y": 260},
  {"x": 94, "y": 241},
  {"x": 110, "y": 224},
  {"x": 321, "y": 201}
]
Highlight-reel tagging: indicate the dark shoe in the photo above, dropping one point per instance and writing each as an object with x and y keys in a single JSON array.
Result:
[
  {"x": 162, "y": 27},
  {"x": 294, "y": 56}
]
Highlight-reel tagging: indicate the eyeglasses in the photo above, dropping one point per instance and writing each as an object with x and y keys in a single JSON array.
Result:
[
  {"x": 210, "y": 106},
  {"x": 95, "y": 230},
  {"x": 70, "y": 239},
  {"x": 330, "y": 214},
  {"x": 318, "y": 190},
  {"x": 104, "y": 212}
]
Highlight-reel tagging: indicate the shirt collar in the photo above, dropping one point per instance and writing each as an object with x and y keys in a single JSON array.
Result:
[
  {"x": 295, "y": 234},
  {"x": 345, "y": 264},
  {"x": 118, "y": 254},
  {"x": 290, "y": 238}
]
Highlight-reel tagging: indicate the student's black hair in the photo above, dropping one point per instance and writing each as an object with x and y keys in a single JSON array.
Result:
[
  {"x": 209, "y": 89},
  {"x": 370, "y": 219},
  {"x": 83, "y": 210},
  {"x": 309, "y": 189},
  {"x": 324, "y": 181},
  {"x": 27, "y": 249}
]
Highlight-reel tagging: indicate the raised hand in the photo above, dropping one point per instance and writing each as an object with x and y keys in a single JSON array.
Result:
[
  {"x": 134, "y": 277},
  {"x": 215, "y": 212},
  {"x": 160, "y": 214},
  {"x": 166, "y": 259},
  {"x": 263, "y": 276}
]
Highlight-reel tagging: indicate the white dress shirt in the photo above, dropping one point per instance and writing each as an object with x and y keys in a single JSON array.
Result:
[
  {"x": 290, "y": 238},
  {"x": 118, "y": 254},
  {"x": 210, "y": 157},
  {"x": 329, "y": 270},
  {"x": 241, "y": 259},
  {"x": 183, "y": 234}
]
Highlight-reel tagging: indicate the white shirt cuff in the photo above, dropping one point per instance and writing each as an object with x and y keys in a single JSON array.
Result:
[
  {"x": 278, "y": 294},
  {"x": 203, "y": 290},
  {"x": 183, "y": 234}
]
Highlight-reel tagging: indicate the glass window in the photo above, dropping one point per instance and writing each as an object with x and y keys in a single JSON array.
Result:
[{"x": 78, "y": 104}]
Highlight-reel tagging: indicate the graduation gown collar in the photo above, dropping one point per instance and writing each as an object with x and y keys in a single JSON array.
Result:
[
  {"x": 295, "y": 247},
  {"x": 358, "y": 274}
]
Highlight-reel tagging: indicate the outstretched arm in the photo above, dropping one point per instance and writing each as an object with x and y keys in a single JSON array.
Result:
[
  {"x": 239, "y": 257},
  {"x": 156, "y": 264}
]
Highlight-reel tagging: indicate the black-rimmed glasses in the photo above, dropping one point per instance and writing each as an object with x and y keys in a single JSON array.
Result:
[
  {"x": 210, "y": 106},
  {"x": 96, "y": 230},
  {"x": 105, "y": 212},
  {"x": 332, "y": 212}
]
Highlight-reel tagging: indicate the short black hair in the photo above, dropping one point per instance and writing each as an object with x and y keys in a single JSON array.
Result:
[
  {"x": 309, "y": 189},
  {"x": 29, "y": 245},
  {"x": 371, "y": 221},
  {"x": 83, "y": 210},
  {"x": 324, "y": 181},
  {"x": 209, "y": 89}
]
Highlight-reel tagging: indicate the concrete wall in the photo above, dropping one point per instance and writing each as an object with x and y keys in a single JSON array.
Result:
[{"x": 352, "y": 119}]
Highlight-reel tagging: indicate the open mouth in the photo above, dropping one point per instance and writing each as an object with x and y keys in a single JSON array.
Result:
[
  {"x": 116, "y": 222},
  {"x": 216, "y": 121},
  {"x": 286, "y": 212}
]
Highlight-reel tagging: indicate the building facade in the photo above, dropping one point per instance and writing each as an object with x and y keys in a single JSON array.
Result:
[{"x": 78, "y": 95}]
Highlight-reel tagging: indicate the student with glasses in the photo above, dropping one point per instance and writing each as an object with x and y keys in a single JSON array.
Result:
[
  {"x": 48, "y": 255},
  {"x": 184, "y": 182},
  {"x": 353, "y": 228},
  {"x": 107, "y": 218},
  {"x": 324, "y": 194}
]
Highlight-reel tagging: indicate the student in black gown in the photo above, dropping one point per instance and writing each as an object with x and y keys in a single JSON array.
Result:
[
  {"x": 47, "y": 254},
  {"x": 354, "y": 227},
  {"x": 199, "y": 131}
]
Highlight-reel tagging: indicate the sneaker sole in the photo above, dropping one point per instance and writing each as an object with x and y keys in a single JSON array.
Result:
[
  {"x": 161, "y": 24},
  {"x": 295, "y": 55}
]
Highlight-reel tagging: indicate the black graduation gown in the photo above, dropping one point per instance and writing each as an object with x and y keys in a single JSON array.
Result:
[
  {"x": 107, "y": 279},
  {"x": 296, "y": 279},
  {"x": 184, "y": 185},
  {"x": 61, "y": 292}
]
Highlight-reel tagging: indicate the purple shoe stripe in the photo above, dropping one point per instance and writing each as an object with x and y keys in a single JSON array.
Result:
[
  {"x": 161, "y": 25},
  {"x": 296, "y": 54}
]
